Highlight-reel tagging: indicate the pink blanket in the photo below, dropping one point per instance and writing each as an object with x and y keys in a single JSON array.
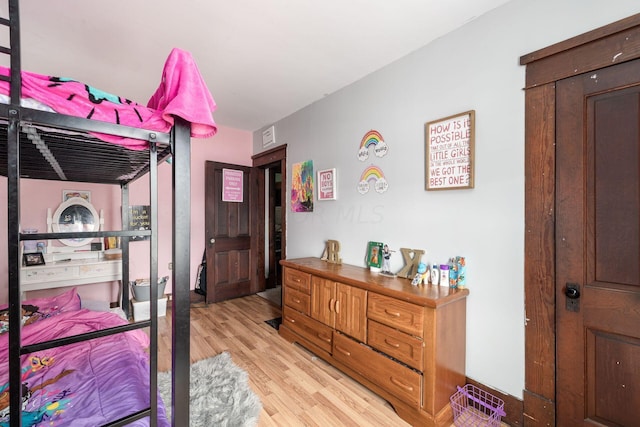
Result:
[
  {"x": 87, "y": 384},
  {"x": 182, "y": 93}
]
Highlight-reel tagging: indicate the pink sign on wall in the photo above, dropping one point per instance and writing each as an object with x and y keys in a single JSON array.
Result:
[{"x": 232, "y": 185}]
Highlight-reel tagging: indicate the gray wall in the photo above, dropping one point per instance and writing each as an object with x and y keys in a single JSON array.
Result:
[{"x": 473, "y": 68}]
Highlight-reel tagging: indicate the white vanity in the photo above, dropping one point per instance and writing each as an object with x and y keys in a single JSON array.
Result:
[{"x": 70, "y": 269}]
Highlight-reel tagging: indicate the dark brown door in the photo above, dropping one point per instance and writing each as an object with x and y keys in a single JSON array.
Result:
[
  {"x": 598, "y": 248},
  {"x": 227, "y": 232}
]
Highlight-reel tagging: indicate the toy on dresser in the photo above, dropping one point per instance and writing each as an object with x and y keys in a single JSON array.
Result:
[{"x": 422, "y": 276}]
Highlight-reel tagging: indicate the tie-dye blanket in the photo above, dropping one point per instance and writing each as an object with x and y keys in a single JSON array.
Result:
[
  {"x": 84, "y": 384},
  {"x": 182, "y": 92}
]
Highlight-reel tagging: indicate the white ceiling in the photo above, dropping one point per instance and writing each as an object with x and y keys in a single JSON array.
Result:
[{"x": 262, "y": 59}]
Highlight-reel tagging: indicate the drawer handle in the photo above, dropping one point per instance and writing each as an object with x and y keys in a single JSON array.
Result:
[
  {"x": 343, "y": 351},
  {"x": 291, "y": 320},
  {"x": 401, "y": 384},
  {"x": 392, "y": 313},
  {"x": 297, "y": 301},
  {"x": 392, "y": 344},
  {"x": 324, "y": 338}
]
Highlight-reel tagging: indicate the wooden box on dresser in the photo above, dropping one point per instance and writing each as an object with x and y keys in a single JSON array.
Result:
[{"x": 404, "y": 342}]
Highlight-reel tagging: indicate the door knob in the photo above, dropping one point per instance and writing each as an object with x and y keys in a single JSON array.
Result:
[
  {"x": 572, "y": 292},
  {"x": 212, "y": 241}
]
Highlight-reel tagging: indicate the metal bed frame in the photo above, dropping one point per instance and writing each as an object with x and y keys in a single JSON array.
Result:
[{"x": 19, "y": 158}]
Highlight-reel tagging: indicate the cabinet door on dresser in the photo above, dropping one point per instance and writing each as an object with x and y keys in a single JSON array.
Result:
[
  {"x": 339, "y": 306},
  {"x": 351, "y": 311},
  {"x": 323, "y": 300}
]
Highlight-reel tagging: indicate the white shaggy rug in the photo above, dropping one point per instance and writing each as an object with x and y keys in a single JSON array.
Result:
[{"x": 219, "y": 394}]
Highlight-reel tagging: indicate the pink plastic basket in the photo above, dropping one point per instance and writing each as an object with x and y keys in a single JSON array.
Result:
[{"x": 475, "y": 407}]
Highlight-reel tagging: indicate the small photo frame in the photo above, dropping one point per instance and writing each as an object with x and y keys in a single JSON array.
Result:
[
  {"x": 374, "y": 254},
  {"x": 67, "y": 194},
  {"x": 33, "y": 258},
  {"x": 327, "y": 184}
]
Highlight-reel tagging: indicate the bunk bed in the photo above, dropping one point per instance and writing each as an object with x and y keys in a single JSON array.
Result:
[{"x": 41, "y": 138}]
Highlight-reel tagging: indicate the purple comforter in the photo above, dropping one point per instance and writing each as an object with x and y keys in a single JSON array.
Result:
[{"x": 84, "y": 384}]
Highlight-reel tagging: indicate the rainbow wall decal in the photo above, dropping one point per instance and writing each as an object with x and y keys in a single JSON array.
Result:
[
  {"x": 372, "y": 174},
  {"x": 375, "y": 140}
]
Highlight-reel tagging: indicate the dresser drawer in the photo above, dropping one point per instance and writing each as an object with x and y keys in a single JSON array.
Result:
[
  {"x": 406, "y": 348},
  {"x": 297, "y": 300},
  {"x": 314, "y": 331},
  {"x": 298, "y": 280},
  {"x": 397, "y": 379},
  {"x": 397, "y": 314}
]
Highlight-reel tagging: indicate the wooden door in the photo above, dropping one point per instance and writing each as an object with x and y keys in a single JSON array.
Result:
[
  {"x": 598, "y": 247},
  {"x": 323, "y": 300},
  {"x": 351, "y": 311},
  {"x": 227, "y": 234}
]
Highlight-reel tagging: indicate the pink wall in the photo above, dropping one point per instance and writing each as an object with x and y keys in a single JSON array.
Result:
[{"x": 228, "y": 145}]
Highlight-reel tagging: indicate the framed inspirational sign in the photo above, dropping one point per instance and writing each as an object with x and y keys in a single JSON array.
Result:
[
  {"x": 327, "y": 184},
  {"x": 449, "y": 148},
  {"x": 232, "y": 185}
]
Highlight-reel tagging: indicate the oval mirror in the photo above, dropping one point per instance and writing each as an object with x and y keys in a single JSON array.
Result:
[{"x": 74, "y": 215}]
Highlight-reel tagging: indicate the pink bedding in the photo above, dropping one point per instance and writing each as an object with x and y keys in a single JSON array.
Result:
[
  {"x": 83, "y": 384},
  {"x": 182, "y": 92},
  {"x": 37, "y": 309}
]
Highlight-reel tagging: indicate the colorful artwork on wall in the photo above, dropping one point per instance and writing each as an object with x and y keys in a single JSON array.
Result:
[
  {"x": 372, "y": 175},
  {"x": 302, "y": 187},
  {"x": 374, "y": 139}
]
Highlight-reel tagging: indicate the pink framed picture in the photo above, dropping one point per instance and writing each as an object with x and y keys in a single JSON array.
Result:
[{"x": 327, "y": 184}]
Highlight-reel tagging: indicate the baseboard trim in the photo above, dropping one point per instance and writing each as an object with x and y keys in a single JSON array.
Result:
[{"x": 513, "y": 406}]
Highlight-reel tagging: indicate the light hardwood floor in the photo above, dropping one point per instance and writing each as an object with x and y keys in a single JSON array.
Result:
[{"x": 295, "y": 387}]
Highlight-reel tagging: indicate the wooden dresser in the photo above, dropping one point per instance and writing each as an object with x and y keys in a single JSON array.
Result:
[{"x": 404, "y": 342}]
